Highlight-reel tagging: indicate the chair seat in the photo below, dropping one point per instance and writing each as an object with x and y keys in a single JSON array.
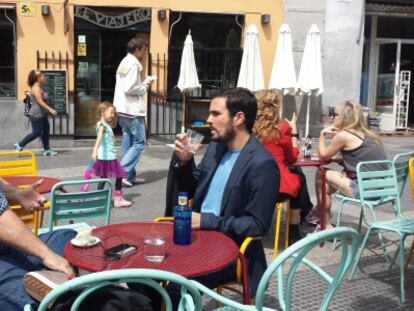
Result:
[
  {"x": 402, "y": 225},
  {"x": 76, "y": 226},
  {"x": 358, "y": 201}
]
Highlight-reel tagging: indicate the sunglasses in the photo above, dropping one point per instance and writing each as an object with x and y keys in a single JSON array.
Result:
[{"x": 334, "y": 114}]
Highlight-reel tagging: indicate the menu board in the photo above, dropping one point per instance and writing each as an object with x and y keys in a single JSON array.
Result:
[{"x": 55, "y": 86}]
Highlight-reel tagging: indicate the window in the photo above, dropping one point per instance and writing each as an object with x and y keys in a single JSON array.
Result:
[
  {"x": 7, "y": 53},
  {"x": 217, "y": 49}
]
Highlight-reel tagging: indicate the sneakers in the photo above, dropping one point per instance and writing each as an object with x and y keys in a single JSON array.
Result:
[
  {"x": 49, "y": 152},
  {"x": 119, "y": 200},
  {"x": 126, "y": 182},
  {"x": 130, "y": 183},
  {"x": 18, "y": 147},
  {"x": 39, "y": 283},
  {"x": 313, "y": 216}
]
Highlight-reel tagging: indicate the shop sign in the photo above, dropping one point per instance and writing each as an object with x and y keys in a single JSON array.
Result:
[
  {"x": 27, "y": 8},
  {"x": 81, "y": 49}
]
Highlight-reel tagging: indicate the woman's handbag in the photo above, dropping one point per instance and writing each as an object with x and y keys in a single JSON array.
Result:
[{"x": 27, "y": 104}]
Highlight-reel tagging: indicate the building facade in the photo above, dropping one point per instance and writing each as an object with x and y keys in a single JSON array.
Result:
[
  {"x": 84, "y": 41},
  {"x": 368, "y": 55}
]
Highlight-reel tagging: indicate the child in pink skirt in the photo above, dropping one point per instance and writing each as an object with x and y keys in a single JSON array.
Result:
[{"x": 104, "y": 153}]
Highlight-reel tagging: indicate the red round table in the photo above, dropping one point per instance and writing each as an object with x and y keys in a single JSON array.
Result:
[
  {"x": 22, "y": 181},
  {"x": 302, "y": 162},
  {"x": 208, "y": 252}
]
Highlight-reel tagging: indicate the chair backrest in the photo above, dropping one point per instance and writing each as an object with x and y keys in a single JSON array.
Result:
[
  {"x": 291, "y": 258},
  {"x": 411, "y": 173},
  {"x": 71, "y": 205},
  {"x": 400, "y": 163},
  {"x": 17, "y": 163},
  {"x": 190, "y": 296},
  {"x": 380, "y": 185},
  {"x": 14, "y": 163}
]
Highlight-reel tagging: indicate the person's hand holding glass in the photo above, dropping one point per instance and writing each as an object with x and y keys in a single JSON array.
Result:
[{"x": 186, "y": 145}]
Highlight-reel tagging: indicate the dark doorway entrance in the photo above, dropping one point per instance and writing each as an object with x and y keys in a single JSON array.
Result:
[{"x": 98, "y": 52}]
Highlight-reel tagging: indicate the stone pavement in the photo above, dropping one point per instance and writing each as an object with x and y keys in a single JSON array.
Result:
[{"x": 373, "y": 286}]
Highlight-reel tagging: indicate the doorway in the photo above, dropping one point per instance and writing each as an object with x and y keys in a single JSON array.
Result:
[
  {"x": 95, "y": 70},
  {"x": 99, "y": 48},
  {"x": 394, "y": 83}
]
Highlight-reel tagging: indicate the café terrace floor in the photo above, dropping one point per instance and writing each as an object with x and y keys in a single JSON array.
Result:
[{"x": 373, "y": 287}]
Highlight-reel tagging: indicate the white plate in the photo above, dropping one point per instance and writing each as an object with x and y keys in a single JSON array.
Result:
[{"x": 77, "y": 243}]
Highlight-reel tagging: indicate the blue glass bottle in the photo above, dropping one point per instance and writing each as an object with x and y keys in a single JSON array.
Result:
[{"x": 182, "y": 220}]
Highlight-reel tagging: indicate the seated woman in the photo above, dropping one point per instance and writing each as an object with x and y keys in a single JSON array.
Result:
[
  {"x": 355, "y": 142},
  {"x": 280, "y": 137}
]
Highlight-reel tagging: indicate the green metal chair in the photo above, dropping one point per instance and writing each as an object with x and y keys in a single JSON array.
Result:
[
  {"x": 289, "y": 260},
  {"x": 383, "y": 185},
  {"x": 190, "y": 296},
  {"x": 400, "y": 164},
  {"x": 72, "y": 205}
]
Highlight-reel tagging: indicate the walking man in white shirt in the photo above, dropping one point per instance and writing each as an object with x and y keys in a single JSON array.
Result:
[{"x": 131, "y": 108}]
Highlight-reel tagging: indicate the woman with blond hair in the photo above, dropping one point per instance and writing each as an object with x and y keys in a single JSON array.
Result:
[
  {"x": 355, "y": 142},
  {"x": 280, "y": 138}
]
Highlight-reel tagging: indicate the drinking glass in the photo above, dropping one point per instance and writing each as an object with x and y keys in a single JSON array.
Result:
[
  {"x": 193, "y": 140},
  {"x": 154, "y": 247},
  {"x": 302, "y": 148}
]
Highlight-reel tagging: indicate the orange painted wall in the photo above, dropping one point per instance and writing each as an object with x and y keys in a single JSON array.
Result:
[{"x": 46, "y": 33}]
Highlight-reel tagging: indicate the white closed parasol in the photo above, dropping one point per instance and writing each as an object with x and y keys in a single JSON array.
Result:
[
  {"x": 283, "y": 76},
  {"x": 251, "y": 71},
  {"x": 188, "y": 78},
  {"x": 310, "y": 75}
]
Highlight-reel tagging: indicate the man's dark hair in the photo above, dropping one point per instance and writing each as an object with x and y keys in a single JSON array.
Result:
[
  {"x": 135, "y": 43},
  {"x": 240, "y": 99}
]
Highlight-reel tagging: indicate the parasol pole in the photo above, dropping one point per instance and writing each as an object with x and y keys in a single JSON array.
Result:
[
  {"x": 307, "y": 116},
  {"x": 183, "y": 118}
]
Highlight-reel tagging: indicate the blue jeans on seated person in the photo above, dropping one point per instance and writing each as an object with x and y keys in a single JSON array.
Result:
[
  {"x": 133, "y": 143},
  {"x": 14, "y": 264}
]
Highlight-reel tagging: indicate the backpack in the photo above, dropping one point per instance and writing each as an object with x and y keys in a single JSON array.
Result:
[{"x": 27, "y": 104}]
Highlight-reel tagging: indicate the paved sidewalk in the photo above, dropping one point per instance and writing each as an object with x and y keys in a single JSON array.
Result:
[{"x": 373, "y": 287}]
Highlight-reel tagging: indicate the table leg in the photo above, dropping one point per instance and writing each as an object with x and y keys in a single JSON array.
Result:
[{"x": 322, "y": 207}]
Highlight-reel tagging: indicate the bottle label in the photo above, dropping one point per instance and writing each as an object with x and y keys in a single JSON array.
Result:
[
  {"x": 182, "y": 200},
  {"x": 182, "y": 225}
]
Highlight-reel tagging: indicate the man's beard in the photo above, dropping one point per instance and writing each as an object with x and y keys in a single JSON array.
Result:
[{"x": 226, "y": 137}]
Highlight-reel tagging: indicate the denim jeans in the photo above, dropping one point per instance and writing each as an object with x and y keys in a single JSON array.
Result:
[
  {"x": 133, "y": 143},
  {"x": 14, "y": 264},
  {"x": 40, "y": 127}
]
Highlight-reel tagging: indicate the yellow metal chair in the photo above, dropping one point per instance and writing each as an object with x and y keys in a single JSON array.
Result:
[
  {"x": 279, "y": 208},
  {"x": 17, "y": 163},
  {"x": 14, "y": 163},
  {"x": 411, "y": 175}
]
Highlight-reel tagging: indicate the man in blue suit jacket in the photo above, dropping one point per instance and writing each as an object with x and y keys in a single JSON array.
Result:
[{"x": 235, "y": 187}]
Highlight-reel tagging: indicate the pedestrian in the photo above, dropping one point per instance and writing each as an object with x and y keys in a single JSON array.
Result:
[
  {"x": 38, "y": 113},
  {"x": 129, "y": 102},
  {"x": 280, "y": 138},
  {"x": 104, "y": 152}
]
